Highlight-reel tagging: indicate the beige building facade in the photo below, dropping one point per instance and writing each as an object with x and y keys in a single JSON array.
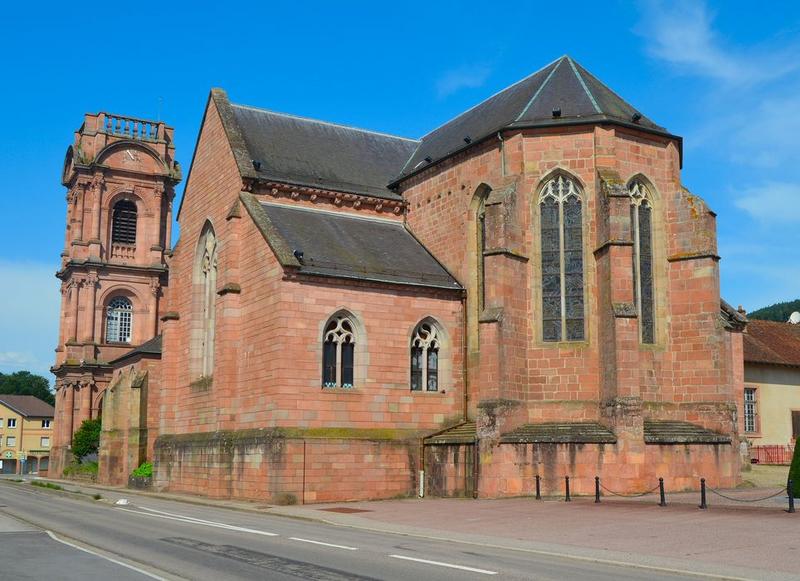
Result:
[{"x": 26, "y": 428}]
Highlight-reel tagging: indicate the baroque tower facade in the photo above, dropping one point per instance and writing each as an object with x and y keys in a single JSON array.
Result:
[{"x": 120, "y": 174}]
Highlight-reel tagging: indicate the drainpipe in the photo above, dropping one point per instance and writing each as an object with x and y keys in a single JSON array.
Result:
[{"x": 465, "y": 350}]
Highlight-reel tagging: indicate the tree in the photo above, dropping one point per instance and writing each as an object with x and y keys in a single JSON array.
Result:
[
  {"x": 86, "y": 439},
  {"x": 794, "y": 471},
  {"x": 26, "y": 383},
  {"x": 778, "y": 312}
]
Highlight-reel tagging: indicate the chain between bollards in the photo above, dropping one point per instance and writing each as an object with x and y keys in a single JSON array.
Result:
[
  {"x": 566, "y": 480},
  {"x": 596, "y": 489},
  {"x": 790, "y": 490},
  {"x": 663, "y": 500},
  {"x": 538, "y": 488},
  {"x": 703, "y": 493}
]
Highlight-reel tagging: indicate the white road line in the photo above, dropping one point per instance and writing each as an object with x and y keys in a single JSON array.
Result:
[
  {"x": 449, "y": 565},
  {"x": 115, "y": 561},
  {"x": 203, "y": 523},
  {"x": 323, "y": 544}
]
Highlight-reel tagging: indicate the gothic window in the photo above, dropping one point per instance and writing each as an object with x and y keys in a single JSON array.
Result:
[
  {"x": 119, "y": 320},
  {"x": 425, "y": 358},
  {"x": 642, "y": 232},
  {"x": 561, "y": 225},
  {"x": 208, "y": 278},
  {"x": 480, "y": 216},
  {"x": 338, "y": 353},
  {"x": 123, "y": 223}
]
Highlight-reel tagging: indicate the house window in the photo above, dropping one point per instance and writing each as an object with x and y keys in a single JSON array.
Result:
[
  {"x": 560, "y": 207},
  {"x": 45, "y": 442},
  {"x": 123, "y": 223},
  {"x": 642, "y": 232},
  {"x": 425, "y": 358},
  {"x": 1, "y": 422},
  {"x": 46, "y": 424},
  {"x": 208, "y": 278},
  {"x": 795, "y": 424},
  {"x": 119, "y": 320},
  {"x": 12, "y": 422},
  {"x": 11, "y": 441},
  {"x": 338, "y": 353},
  {"x": 750, "y": 410}
]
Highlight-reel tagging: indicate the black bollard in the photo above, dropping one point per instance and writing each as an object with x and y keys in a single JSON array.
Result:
[
  {"x": 567, "y": 499},
  {"x": 790, "y": 490},
  {"x": 596, "y": 489},
  {"x": 703, "y": 493},
  {"x": 663, "y": 501},
  {"x": 538, "y": 488}
]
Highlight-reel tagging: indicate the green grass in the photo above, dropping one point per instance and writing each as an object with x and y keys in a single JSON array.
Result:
[{"x": 49, "y": 485}]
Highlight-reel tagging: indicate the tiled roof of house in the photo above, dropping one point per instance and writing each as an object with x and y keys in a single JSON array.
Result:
[
  {"x": 28, "y": 405},
  {"x": 336, "y": 244},
  {"x": 772, "y": 343}
]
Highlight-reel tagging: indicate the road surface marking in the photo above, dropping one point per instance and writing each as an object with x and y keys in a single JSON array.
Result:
[
  {"x": 115, "y": 561},
  {"x": 202, "y": 523},
  {"x": 323, "y": 544},
  {"x": 440, "y": 564}
]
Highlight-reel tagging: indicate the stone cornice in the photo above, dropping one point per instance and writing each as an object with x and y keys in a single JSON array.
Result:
[
  {"x": 693, "y": 256},
  {"x": 306, "y": 193}
]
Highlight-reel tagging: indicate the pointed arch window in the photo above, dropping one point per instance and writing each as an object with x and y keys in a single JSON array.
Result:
[
  {"x": 561, "y": 224},
  {"x": 119, "y": 320},
  {"x": 123, "y": 223},
  {"x": 425, "y": 358},
  {"x": 642, "y": 233},
  {"x": 208, "y": 274},
  {"x": 480, "y": 220},
  {"x": 338, "y": 353}
]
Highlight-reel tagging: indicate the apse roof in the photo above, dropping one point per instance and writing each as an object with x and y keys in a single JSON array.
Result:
[{"x": 562, "y": 93}]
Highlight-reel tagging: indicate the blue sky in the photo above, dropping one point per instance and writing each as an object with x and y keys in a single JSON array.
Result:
[{"x": 724, "y": 75}]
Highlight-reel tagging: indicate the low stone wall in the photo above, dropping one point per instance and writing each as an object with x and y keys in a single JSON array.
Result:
[{"x": 287, "y": 466}]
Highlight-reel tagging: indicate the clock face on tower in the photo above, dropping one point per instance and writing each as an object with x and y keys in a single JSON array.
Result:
[{"x": 131, "y": 156}]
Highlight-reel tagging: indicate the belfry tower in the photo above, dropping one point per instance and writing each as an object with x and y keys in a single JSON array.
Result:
[{"x": 120, "y": 174}]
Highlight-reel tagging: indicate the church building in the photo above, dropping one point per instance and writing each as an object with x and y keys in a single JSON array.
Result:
[{"x": 527, "y": 290}]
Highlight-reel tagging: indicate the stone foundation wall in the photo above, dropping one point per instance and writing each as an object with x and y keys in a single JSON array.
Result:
[{"x": 281, "y": 467}]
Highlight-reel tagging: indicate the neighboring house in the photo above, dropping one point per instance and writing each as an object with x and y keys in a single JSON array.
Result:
[
  {"x": 26, "y": 426},
  {"x": 771, "y": 399},
  {"x": 526, "y": 290}
]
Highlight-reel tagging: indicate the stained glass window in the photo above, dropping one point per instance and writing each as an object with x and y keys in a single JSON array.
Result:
[
  {"x": 338, "y": 353},
  {"x": 642, "y": 232},
  {"x": 561, "y": 225},
  {"x": 425, "y": 358},
  {"x": 208, "y": 273}
]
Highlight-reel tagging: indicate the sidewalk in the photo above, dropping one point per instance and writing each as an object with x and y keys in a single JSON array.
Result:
[{"x": 758, "y": 541}]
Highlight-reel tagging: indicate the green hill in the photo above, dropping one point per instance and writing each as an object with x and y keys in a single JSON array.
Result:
[{"x": 777, "y": 312}]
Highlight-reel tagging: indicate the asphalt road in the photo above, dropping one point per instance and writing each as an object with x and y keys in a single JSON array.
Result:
[{"x": 175, "y": 540}]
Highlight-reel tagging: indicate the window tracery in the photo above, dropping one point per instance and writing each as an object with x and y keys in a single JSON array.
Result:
[
  {"x": 642, "y": 232},
  {"x": 338, "y": 353},
  {"x": 425, "y": 358}
]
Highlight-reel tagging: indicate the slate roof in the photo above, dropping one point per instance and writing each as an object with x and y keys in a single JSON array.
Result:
[
  {"x": 772, "y": 343},
  {"x": 347, "y": 246},
  {"x": 151, "y": 347},
  {"x": 319, "y": 154},
  {"x": 673, "y": 432},
  {"x": 560, "y": 433},
  {"x": 563, "y": 84},
  {"x": 464, "y": 433},
  {"x": 28, "y": 406},
  {"x": 731, "y": 318}
]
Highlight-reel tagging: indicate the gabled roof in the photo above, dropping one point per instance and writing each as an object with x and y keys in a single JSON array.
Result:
[
  {"x": 563, "y": 85},
  {"x": 151, "y": 347},
  {"x": 335, "y": 244},
  {"x": 307, "y": 152},
  {"x": 28, "y": 406},
  {"x": 772, "y": 343}
]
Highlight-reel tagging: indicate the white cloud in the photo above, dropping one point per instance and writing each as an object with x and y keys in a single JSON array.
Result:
[
  {"x": 30, "y": 302},
  {"x": 680, "y": 33},
  {"x": 771, "y": 202},
  {"x": 466, "y": 77}
]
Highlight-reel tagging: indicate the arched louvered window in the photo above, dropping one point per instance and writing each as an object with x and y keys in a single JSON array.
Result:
[
  {"x": 561, "y": 224},
  {"x": 425, "y": 358},
  {"x": 338, "y": 353},
  {"x": 119, "y": 320},
  {"x": 123, "y": 223},
  {"x": 642, "y": 232},
  {"x": 208, "y": 273}
]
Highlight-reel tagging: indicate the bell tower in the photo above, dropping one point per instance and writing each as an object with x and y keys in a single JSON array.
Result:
[{"x": 120, "y": 174}]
